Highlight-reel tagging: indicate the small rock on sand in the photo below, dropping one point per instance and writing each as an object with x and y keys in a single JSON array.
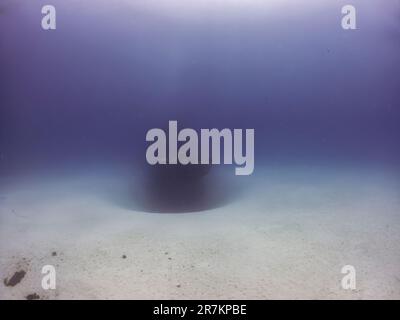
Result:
[
  {"x": 15, "y": 279},
  {"x": 32, "y": 296}
]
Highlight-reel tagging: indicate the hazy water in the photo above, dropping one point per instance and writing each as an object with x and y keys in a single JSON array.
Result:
[
  {"x": 324, "y": 103},
  {"x": 88, "y": 92}
]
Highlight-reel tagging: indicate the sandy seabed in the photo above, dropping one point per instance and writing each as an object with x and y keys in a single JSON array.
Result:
[{"x": 286, "y": 234}]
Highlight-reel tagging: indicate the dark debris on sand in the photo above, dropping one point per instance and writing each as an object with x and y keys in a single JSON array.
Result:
[
  {"x": 15, "y": 279},
  {"x": 32, "y": 296}
]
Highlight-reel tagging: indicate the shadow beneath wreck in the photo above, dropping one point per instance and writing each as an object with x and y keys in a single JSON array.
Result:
[{"x": 177, "y": 189}]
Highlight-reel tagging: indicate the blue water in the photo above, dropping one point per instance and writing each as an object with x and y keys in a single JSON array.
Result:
[
  {"x": 88, "y": 91},
  {"x": 75, "y": 106}
]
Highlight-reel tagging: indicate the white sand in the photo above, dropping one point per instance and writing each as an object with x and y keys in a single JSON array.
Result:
[{"x": 287, "y": 236}]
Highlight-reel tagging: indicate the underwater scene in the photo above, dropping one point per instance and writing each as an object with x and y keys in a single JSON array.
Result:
[{"x": 199, "y": 149}]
